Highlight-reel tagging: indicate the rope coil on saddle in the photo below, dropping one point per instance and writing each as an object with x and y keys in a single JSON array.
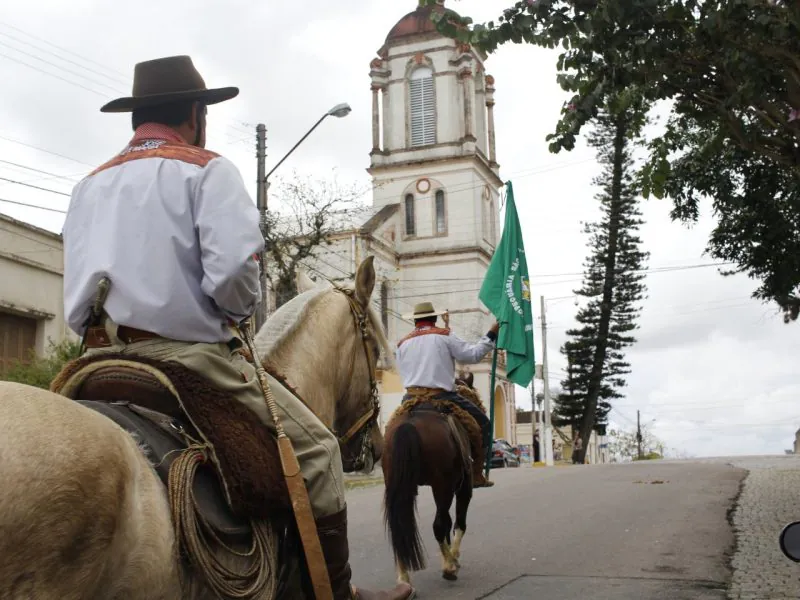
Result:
[{"x": 260, "y": 577}]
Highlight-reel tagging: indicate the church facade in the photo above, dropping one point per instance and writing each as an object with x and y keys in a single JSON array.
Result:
[{"x": 434, "y": 222}]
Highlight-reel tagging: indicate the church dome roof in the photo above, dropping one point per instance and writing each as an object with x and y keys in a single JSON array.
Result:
[{"x": 416, "y": 22}]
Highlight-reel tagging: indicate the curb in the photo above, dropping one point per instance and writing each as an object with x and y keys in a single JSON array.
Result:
[{"x": 357, "y": 484}]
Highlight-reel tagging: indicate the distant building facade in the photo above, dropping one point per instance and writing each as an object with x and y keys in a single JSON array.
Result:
[{"x": 31, "y": 291}]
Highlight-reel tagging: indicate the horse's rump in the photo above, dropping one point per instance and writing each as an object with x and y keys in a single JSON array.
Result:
[{"x": 79, "y": 501}]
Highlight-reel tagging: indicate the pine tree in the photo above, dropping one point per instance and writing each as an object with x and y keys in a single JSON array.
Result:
[{"x": 612, "y": 280}]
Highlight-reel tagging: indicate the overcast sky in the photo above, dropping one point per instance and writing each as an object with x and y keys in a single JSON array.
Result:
[{"x": 713, "y": 367}]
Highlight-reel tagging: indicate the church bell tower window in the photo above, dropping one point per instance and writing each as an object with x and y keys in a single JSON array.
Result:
[
  {"x": 410, "y": 222},
  {"x": 422, "y": 107},
  {"x": 441, "y": 218}
]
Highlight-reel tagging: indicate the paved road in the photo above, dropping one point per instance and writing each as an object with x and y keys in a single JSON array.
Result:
[{"x": 644, "y": 531}]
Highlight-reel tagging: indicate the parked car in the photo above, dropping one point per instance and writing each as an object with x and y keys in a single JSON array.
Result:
[
  {"x": 504, "y": 455},
  {"x": 514, "y": 449}
]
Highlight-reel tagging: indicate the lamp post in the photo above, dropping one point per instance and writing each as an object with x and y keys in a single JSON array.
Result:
[{"x": 339, "y": 111}]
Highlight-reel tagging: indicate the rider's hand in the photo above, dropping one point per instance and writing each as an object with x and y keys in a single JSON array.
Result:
[
  {"x": 446, "y": 319},
  {"x": 495, "y": 328}
]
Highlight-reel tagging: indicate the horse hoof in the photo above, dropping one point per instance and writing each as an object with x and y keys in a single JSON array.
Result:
[{"x": 450, "y": 575}]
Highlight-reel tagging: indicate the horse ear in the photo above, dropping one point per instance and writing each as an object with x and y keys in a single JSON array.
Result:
[
  {"x": 303, "y": 281},
  {"x": 365, "y": 280}
]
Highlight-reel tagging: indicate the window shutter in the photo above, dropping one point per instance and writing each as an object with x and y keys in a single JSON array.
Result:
[{"x": 423, "y": 111}]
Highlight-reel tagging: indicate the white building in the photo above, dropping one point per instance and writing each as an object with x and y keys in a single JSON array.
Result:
[
  {"x": 434, "y": 222},
  {"x": 31, "y": 290}
]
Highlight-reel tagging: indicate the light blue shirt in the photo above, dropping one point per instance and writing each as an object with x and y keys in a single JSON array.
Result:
[
  {"x": 176, "y": 239},
  {"x": 429, "y": 360}
]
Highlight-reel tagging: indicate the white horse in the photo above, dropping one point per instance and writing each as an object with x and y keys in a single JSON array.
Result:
[{"x": 84, "y": 516}]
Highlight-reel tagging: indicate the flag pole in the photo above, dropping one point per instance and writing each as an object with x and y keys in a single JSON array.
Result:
[{"x": 490, "y": 444}]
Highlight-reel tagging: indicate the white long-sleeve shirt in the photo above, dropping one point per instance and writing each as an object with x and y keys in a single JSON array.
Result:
[
  {"x": 175, "y": 230},
  {"x": 429, "y": 360}
]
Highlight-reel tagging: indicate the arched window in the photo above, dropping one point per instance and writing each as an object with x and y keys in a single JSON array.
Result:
[
  {"x": 422, "y": 106},
  {"x": 410, "y": 222},
  {"x": 441, "y": 216}
]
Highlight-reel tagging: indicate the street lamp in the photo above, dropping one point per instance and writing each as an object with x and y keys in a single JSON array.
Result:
[{"x": 338, "y": 111}]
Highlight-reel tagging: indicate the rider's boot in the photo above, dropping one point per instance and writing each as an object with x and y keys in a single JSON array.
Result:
[
  {"x": 333, "y": 538},
  {"x": 479, "y": 480}
]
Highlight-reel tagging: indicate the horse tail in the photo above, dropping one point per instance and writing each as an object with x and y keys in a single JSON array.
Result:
[{"x": 400, "y": 499}]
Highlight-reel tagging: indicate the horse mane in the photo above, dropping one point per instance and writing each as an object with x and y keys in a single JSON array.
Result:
[{"x": 285, "y": 322}]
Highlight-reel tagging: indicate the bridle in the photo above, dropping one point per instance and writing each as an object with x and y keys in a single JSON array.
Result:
[{"x": 364, "y": 423}]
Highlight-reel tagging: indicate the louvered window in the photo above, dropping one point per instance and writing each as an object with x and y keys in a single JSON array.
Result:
[{"x": 423, "y": 107}]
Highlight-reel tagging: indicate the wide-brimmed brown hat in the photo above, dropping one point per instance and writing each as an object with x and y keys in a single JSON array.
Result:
[
  {"x": 424, "y": 309},
  {"x": 167, "y": 80}
]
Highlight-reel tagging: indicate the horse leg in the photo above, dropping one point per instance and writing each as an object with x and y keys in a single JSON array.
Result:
[
  {"x": 442, "y": 525},
  {"x": 402, "y": 574},
  {"x": 463, "y": 498}
]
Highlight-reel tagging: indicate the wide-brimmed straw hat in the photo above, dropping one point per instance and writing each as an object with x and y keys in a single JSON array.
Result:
[
  {"x": 166, "y": 80},
  {"x": 424, "y": 309}
]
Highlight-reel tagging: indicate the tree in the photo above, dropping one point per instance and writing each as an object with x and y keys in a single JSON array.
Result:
[
  {"x": 730, "y": 73},
  {"x": 569, "y": 405},
  {"x": 612, "y": 280},
  {"x": 623, "y": 445},
  {"x": 39, "y": 371},
  {"x": 309, "y": 213}
]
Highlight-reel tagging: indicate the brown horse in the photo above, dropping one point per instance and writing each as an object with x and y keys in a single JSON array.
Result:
[
  {"x": 83, "y": 512},
  {"x": 426, "y": 447}
]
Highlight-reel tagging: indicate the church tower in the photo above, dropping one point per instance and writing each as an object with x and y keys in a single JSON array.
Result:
[{"x": 436, "y": 184}]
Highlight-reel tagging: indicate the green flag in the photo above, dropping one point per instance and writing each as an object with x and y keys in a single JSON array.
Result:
[{"x": 506, "y": 293}]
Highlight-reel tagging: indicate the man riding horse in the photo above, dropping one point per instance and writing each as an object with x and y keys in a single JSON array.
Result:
[
  {"x": 426, "y": 360},
  {"x": 173, "y": 227}
]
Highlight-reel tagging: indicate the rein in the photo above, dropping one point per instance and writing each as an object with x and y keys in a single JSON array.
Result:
[{"x": 363, "y": 423}]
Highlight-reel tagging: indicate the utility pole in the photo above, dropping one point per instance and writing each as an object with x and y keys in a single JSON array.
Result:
[
  {"x": 261, "y": 203},
  {"x": 533, "y": 421},
  {"x": 639, "y": 434},
  {"x": 548, "y": 430}
]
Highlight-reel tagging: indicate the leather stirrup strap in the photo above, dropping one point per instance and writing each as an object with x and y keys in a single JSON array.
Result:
[
  {"x": 307, "y": 528},
  {"x": 301, "y": 504}
]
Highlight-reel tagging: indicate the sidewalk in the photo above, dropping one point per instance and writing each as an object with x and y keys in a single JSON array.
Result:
[{"x": 769, "y": 500}]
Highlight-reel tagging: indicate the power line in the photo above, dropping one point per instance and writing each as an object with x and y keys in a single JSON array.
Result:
[
  {"x": 69, "y": 81},
  {"x": 52, "y": 64},
  {"x": 75, "y": 160},
  {"x": 59, "y": 48},
  {"x": 27, "y": 237},
  {"x": 36, "y": 187},
  {"x": 16, "y": 39},
  {"x": 27, "y": 205},
  {"x": 53, "y": 175}
]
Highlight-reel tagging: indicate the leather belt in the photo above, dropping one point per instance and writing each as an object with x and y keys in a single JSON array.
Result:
[{"x": 96, "y": 337}]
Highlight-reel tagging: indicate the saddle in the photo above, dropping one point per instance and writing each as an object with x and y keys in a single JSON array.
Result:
[
  {"x": 433, "y": 400},
  {"x": 166, "y": 407},
  {"x": 159, "y": 439}
]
